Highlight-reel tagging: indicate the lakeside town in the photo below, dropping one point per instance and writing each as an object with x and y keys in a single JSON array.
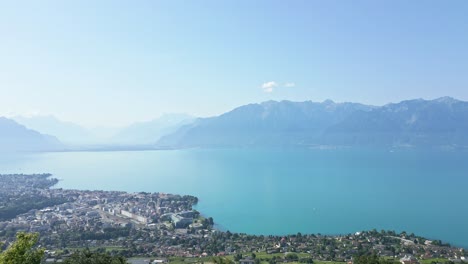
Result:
[{"x": 165, "y": 227}]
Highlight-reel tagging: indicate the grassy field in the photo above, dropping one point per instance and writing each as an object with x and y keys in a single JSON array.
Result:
[
  {"x": 209, "y": 261},
  {"x": 108, "y": 249},
  {"x": 265, "y": 257},
  {"x": 436, "y": 260},
  {"x": 327, "y": 262},
  {"x": 259, "y": 255}
]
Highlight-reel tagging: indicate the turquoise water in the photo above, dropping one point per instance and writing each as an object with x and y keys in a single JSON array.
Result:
[{"x": 285, "y": 191}]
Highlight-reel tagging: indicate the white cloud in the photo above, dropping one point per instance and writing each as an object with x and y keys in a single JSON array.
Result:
[
  {"x": 269, "y": 86},
  {"x": 289, "y": 84}
]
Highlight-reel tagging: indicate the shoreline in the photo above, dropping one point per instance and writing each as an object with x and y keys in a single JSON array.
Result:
[
  {"x": 221, "y": 228},
  {"x": 216, "y": 226},
  {"x": 116, "y": 219}
]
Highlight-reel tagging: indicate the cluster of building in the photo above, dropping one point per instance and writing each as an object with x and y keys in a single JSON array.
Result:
[
  {"x": 165, "y": 225},
  {"x": 88, "y": 209},
  {"x": 93, "y": 212}
]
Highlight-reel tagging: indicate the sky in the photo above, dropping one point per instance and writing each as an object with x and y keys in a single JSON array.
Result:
[{"x": 110, "y": 63}]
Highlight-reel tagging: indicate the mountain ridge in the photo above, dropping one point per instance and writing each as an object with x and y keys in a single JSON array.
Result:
[
  {"x": 149, "y": 132},
  {"x": 417, "y": 122},
  {"x": 16, "y": 137},
  {"x": 76, "y": 136}
]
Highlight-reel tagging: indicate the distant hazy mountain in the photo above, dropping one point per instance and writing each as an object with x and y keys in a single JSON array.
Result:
[
  {"x": 150, "y": 132},
  {"x": 77, "y": 136},
  {"x": 440, "y": 122},
  {"x": 268, "y": 123},
  {"x": 66, "y": 132},
  {"x": 15, "y": 137}
]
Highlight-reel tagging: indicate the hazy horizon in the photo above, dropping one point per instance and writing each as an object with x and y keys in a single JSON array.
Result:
[
  {"x": 113, "y": 63},
  {"x": 15, "y": 116}
]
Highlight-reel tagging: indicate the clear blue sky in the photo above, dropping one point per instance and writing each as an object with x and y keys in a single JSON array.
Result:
[{"x": 114, "y": 62}]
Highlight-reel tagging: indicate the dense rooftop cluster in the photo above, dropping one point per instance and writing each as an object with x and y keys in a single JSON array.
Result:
[{"x": 165, "y": 225}]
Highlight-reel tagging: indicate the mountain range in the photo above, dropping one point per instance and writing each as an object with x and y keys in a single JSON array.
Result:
[
  {"x": 149, "y": 132},
  {"x": 78, "y": 137},
  {"x": 411, "y": 123},
  {"x": 67, "y": 132},
  {"x": 16, "y": 137},
  {"x": 439, "y": 122}
]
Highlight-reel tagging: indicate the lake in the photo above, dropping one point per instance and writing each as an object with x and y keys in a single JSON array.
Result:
[{"x": 272, "y": 191}]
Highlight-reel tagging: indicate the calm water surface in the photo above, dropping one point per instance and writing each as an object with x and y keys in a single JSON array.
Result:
[{"x": 285, "y": 191}]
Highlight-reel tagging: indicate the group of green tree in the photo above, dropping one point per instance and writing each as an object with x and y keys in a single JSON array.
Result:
[
  {"x": 372, "y": 259},
  {"x": 108, "y": 233},
  {"x": 289, "y": 257},
  {"x": 24, "y": 251},
  {"x": 20, "y": 205}
]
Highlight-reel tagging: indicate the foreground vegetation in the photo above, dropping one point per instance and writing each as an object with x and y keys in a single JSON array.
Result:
[{"x": 23, "y": 251}]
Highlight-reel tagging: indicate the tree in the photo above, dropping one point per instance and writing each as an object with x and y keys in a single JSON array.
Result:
[
  {"x": 306, "y": 260},
  {"x": 292, "y": 256},
  {"x": 21, "y": 251},
  {"x": 88, "y": 257},
  {"x": 238, "y": 257},
  {"x": 371, "y": 259},
  {"x": 219, "y": 260}
]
